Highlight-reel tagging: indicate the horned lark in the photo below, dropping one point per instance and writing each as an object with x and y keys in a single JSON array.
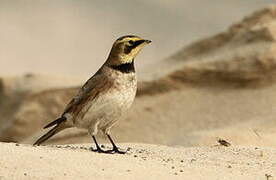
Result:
[{"x": 107, "y": 95}]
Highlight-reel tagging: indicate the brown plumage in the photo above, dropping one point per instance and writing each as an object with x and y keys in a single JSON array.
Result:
[{"x": 107, "y": 95}]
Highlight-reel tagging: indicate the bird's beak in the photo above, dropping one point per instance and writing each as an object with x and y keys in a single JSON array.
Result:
[{"x": 147, "y": 41}]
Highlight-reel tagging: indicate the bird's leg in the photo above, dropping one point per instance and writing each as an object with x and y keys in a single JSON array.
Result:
[
  {"x": 115, "y": 148},
  {"x": 99, "y": 149},
  {"x": 93, "y": 131}
]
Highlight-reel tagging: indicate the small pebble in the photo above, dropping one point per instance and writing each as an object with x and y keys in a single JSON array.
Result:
[{"x": 144, "y": 158}]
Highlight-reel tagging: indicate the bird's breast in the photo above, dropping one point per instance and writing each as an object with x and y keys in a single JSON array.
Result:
[
  {"x": 123, "y": 90},
  {"x": 119, "y": 97}
]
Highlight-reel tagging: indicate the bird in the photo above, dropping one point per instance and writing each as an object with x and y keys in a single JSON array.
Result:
[{"x": 107, "y": 95}]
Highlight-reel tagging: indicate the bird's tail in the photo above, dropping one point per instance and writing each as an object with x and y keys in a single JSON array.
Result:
[{"x": 53, "y": 131}]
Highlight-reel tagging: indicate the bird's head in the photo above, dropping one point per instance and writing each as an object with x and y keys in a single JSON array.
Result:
[{"x": 125, "y": 49}]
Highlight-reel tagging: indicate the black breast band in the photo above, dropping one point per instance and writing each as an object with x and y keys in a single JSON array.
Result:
[{"x": 124, "y": 68}]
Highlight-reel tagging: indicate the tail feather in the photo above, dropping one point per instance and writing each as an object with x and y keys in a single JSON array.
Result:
[
  {"x": 57, "y": 121},
  {"x": 50, "y": 133}
]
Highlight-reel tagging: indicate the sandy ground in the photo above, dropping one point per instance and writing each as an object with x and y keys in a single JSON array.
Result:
[{"x": 142, "y": 161}]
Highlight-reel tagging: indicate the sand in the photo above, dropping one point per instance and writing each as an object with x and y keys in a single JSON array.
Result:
[{"x": 141, "y": 162}]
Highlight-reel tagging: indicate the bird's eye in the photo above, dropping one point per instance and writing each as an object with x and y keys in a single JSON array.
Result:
[{"x": 131, "y": 42}]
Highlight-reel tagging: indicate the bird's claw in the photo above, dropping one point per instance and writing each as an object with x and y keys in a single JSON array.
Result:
[
  {"x": 111, "y": 151},
  {"x": 99, "y": 150},
  {"x": 116, "y": 150}
]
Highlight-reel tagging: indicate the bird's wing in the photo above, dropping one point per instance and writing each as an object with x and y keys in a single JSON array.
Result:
[{"x": 89, "y": 91}]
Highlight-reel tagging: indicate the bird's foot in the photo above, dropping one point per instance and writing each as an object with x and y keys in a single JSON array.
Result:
[
  {"x": 116, "y": 150},
  {"x": 111, "y": 151},
  {"x": 100, "y": 150}
]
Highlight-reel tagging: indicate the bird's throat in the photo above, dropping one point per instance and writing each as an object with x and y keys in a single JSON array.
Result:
[{"x": 124, "y": 68}]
